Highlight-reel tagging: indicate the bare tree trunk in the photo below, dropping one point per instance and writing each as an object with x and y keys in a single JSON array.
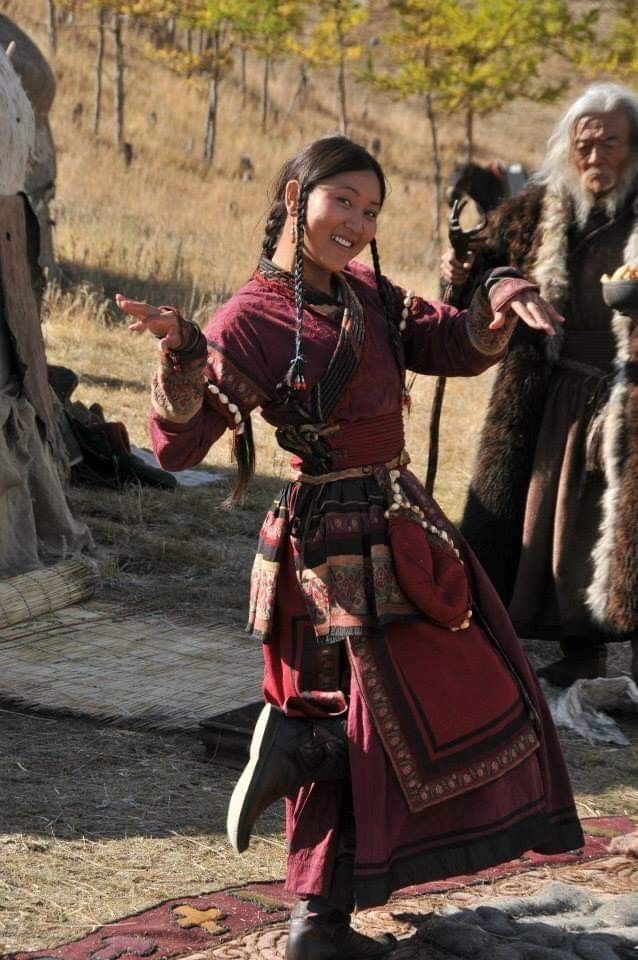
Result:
[
  {"x": 341, "y": 87},
  {"x": 52, "y": 26},
  {"x": 436, "y": 164},
  {"x": 341, "y": 82},
  {"x": 99, "y": 61},
  {"x": 469, "y": 134},
  {"x": 118, "y": 79},
  {"x": 189, "y": 40},
  {"x": 300, "y": 94},
  {"x": 210, "y": 130},
  {"x": 244, "y": 85},
  {"x": 264, "y": 93}
]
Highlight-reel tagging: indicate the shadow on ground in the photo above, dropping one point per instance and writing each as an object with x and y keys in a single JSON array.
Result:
[
  {"x": 74, "y": 778},
  {"x": 181, "y": 292}
]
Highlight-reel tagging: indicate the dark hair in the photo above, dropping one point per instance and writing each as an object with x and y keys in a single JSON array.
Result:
[{"x": 320, "y": 160}]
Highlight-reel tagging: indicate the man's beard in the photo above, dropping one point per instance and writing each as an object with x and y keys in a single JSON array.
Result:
[{"x": 611, "y": 201}]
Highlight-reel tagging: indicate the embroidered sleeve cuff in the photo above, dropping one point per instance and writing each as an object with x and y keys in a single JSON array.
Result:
[
  {"x": 503, "y": 291},
  {"x": 178, "y": 384},
  {"x": 479, "y": 316}
]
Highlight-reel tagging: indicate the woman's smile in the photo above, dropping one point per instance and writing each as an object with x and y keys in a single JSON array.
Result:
[{"x": 341, "y": 219}]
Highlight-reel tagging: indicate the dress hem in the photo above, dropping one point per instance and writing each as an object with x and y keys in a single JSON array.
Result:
[{"x": 534, "y": 832}]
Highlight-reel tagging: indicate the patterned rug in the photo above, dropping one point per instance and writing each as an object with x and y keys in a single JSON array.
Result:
[{"x": 248, "y": 922}]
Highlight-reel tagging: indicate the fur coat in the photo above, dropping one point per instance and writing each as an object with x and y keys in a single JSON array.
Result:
[{"x": 531, "y": 232}]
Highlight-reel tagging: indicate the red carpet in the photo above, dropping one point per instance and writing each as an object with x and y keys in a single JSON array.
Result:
[{"x": 183, "y": 926}]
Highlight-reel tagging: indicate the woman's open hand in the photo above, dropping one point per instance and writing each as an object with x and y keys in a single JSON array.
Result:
[
  {"x": 162, "y": 322},
  {"x": 532, "y": 309}
]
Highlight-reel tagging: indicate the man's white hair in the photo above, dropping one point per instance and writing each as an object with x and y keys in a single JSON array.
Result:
[
  {"x": 558, "y": 170},
  {"x": 17, "y": 129}
]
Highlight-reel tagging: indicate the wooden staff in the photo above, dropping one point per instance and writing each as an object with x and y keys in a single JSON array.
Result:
[{"x": 461, "y": 241}]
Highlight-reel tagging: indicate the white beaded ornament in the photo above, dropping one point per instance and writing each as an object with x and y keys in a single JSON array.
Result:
[
  {"x": 400, "y": 501},
  {"x": 405, "y": 313},
  {"x": 232, "y": 407}
]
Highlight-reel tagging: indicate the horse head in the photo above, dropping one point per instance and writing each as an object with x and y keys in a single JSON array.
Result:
[{"x": 487, "y": 185}]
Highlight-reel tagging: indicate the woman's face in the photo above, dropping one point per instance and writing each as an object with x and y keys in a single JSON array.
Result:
[{"x": 341, "y": 219}]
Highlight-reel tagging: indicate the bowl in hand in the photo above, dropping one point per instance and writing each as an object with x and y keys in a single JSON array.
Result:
[{"x": 621, "y": 295}]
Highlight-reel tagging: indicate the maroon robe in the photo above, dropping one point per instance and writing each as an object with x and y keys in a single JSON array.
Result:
[{"x": 454, "y": 761}]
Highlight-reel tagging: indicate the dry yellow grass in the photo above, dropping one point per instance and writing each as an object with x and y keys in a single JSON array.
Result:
[{"x": 104, "y": 822}]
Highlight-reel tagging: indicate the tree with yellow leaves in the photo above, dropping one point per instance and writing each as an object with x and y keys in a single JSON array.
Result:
[
  {"x": 474, "y": 56},
  {"x": 616, "y": 51},
  {"x": 335, "y": 41},
  {"x": 217, "y": 24},
  {"x": 269, "y": 28}
]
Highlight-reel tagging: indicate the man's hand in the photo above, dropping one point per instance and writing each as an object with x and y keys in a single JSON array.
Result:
[{"x": 452, "y": 270}]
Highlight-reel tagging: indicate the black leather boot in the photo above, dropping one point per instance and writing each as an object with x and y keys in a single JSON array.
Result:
[
  {"x": 634, "y": 659},
  {"x": 320, "y": 932},
  {"x": 582, "y": 660},
  {"x": 285, "y": 754}
]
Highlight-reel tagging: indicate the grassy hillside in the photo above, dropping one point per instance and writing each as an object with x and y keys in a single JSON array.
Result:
[{"x": 168, "y": 230}]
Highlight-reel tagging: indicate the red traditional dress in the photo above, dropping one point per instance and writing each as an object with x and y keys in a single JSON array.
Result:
[{"x": 368, "y": 601}]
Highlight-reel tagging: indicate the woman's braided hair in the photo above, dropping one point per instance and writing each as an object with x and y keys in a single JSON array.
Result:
[
  {"x": 294, "y": 376},
  {"x": 274, "y": 225},
  {"x": 383, "y": 288},
  {"x": 322, "y": 159}
]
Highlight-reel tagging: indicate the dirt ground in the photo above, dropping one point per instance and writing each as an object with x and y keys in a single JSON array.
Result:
[{"x": 98, "y": 822}]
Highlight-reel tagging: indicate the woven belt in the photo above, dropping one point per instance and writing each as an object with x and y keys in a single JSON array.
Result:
[{"x": 352, "y": 473}]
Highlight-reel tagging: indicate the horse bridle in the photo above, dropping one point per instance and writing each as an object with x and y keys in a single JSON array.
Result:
[{"x": 461, "y": 241}]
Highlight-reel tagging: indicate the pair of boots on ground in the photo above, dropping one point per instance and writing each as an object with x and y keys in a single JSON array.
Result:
[
  {"x": 285, "y": 754},
  {"x": 582, "y": 660}
]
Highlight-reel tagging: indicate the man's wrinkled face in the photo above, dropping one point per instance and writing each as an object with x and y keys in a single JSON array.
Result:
[{"x": 600, "y": 150}]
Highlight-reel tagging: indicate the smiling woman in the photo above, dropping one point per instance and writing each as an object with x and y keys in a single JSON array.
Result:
[
  {"x": 341, "y": 220},
  {"x": 388, "y": 659}
]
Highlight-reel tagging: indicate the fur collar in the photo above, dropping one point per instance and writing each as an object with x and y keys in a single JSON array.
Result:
[{"x": 549, "y": 269}]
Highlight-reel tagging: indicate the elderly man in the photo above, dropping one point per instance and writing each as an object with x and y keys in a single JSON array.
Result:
[{"x": 553, "y": 503}]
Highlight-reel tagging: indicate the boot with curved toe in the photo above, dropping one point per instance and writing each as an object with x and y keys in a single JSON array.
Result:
[
  {"x": 320, "y": 932},
  {"x": 285, "y": 754}
]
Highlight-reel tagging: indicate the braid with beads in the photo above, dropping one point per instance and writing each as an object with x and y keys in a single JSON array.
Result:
[
  {"x": 388, "y": 309},
  {"x": 295, "y": 378}
]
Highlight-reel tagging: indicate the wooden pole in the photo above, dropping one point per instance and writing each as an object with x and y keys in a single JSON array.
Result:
[
  {"x": 99, "y": 61},
  {"x": 118, "y": 79}
]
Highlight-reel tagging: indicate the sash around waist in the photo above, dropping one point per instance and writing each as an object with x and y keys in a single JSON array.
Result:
[{"x": 361, "y": 442}]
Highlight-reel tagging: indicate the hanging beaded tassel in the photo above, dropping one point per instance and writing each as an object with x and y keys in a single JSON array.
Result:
[
  {"x": 295, "y": 378},
  {"x": 243, "y": 446},
  {"x": 405, "y": 313}
]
